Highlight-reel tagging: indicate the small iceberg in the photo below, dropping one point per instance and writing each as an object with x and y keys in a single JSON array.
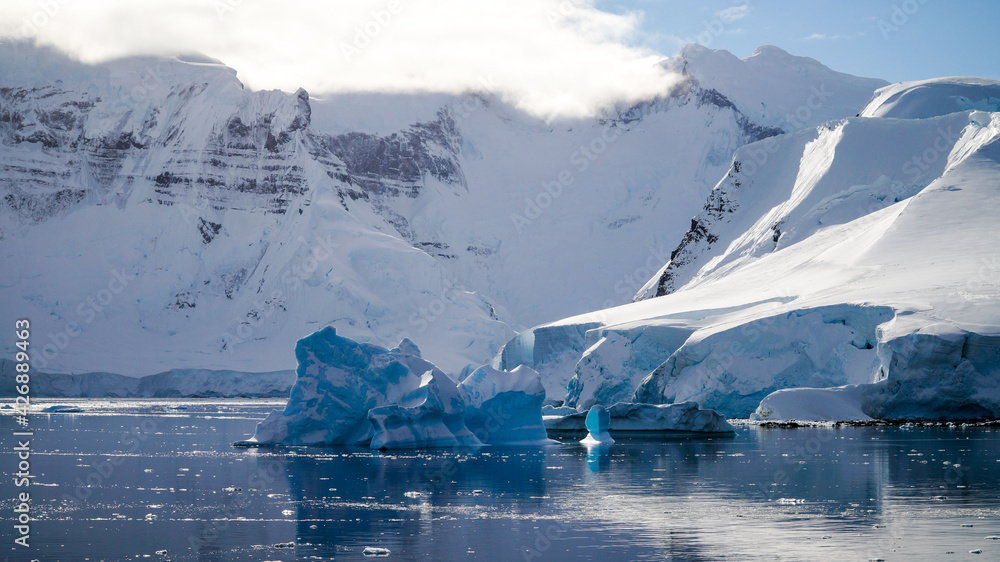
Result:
[
  {"x": 598, "y": 424},
  {"x": 642, "y": 421},
  {"x": 62, "y": 409},
  {"x": 349, "y": 393},
  {"x": 375, "y": 551}
]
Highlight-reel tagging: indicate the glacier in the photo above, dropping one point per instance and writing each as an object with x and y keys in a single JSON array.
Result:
[
  {"x": 163, "y": 217},
  {"x": 830, "y": 233},
  {"x": 843, "y": 270}
]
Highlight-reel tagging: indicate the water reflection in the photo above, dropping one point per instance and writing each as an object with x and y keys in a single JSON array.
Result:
[
  {"x": 815, "y": 493},
  {"x": 687, "y": 499},
  {"x": 598, "y": 456}
]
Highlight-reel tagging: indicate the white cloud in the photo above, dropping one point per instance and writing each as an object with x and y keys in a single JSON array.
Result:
[
  {"x": 821, "y": 36},
  {"x": 733, "y": 13},
  {"x": 552, "y": 57}
]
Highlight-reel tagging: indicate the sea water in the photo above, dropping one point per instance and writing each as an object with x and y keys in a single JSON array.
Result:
[{"x": 160, "y": 480}]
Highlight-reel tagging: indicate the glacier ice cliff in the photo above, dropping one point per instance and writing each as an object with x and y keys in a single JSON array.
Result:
[{"x": 858, "y": 256}]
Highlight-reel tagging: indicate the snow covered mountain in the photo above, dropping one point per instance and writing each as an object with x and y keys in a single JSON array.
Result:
[
  {"x": 862, "y": 251},
  {"x": 159, "y": 216}
]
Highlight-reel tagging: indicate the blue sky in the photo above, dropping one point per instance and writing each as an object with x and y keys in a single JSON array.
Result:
[{"x": 892, "y": 39}]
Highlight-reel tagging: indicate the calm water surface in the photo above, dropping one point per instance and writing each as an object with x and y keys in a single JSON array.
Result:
[{"x": 127, "y": 479}]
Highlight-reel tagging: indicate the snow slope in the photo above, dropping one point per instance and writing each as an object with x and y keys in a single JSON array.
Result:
[
  {"x": 861, "y": 252},
  {"x": 929, "y": 98},
  {"x": 159, "y": 216},
  {"x": 774, "y": 88}
]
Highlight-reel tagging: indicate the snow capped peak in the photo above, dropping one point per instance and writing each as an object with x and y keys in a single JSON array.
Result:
[
  {"x": 924, "y": 99},
  {"x": 810, "y": 93},
  {"x": 772, "y": 51}
]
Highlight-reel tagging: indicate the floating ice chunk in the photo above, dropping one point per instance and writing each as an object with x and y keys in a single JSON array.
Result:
[
  {"x": 598, "y": 424},
  {"x": 62, "y": 409},
  {"x": 683, "y": 417},
  {"x": 504, "y": 407},
  {"x": 433, "y": 415},
  {"x": 646, "y": 420},
  {"x": 375, "y": 551}
]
